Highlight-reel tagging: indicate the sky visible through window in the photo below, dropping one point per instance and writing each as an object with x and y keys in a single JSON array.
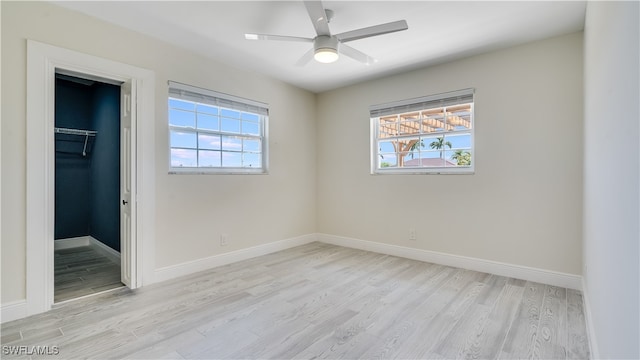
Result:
[{"x": 203, "y": 136}]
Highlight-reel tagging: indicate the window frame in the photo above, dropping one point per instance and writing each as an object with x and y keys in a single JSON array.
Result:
[
  {"x": 192, "y": 93},
  {"x": 411, "y": 105}
]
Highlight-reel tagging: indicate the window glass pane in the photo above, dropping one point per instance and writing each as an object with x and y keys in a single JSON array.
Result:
[
  {"x": 230, "y": 113},
  {"x": 459, "y": 141},
  {"x": 210, "y": 142},
  {"x": 208, "y": 122},
  {"x": 409, "y": 123},
  {"x": 406, "y": 145},
  {"x": 181, "y": 104},
  {"x": 459, "y": 116},
  {"x": 432, "y": 159},
  {"x": 182, "y": 118},
  {"x": 252, "y": 145},
  {"x": 252, "y": 160},
  {"x": 231, "y": 143},
  {"x": 207, "y": 109},
  {"x": 459, "y": 158},
  {"x": 448, "y": 157},
  {"x": 250, "y": 117},
  {"x": 388, "y": 126},
  {"x": 231, "y": 159},
  {"x": 433, "y": 120},
  {"x": 230, "y": 125},
  {"x": 411, "y": 162},
  {"x": 250, "y": 128},
  {"x": 409, "y": 127},
  {"x": 183, "y": 158},
  {"x": 209, "y": 158},
  {"x": 410, "y": 150},
  {"x": 183, "y": 139},
  {"x": 388, "y": 160},
  {"x": 437, "y": 143},
  {"x": 387, "y": 146},
  {"x": 413, "y": 146}
]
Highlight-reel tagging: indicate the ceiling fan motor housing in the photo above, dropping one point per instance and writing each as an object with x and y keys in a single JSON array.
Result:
[{"x": 323, "y": 42}]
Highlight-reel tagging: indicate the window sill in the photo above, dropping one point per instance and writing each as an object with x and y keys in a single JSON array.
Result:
[
  {"x": 204, "y": 171},
  {"x": 465, "y": 171}
]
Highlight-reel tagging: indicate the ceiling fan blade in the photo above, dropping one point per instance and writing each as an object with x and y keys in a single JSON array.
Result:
[
  {"x": 276, "y": 37},
  {"x": 373, "y": 31},
  {"x": 356, "y": 54},
  {"x": 304, "y": 60},
  {"x": 318, "y": 17}
]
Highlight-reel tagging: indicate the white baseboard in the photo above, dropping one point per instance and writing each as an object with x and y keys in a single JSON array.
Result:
[
  {"x": 13, "y": 311},
  {"x": 71, "y": 242},
  {"x": 174, "y": 271},
  {"x": 105, "y": 250},
  {"x": 89, "y": 240},
  {"x": 493, "y": 267},
  {"x": 588, "y": 318}
]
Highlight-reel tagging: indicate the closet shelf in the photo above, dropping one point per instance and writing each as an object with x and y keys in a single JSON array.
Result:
[
  {"x": 85, "y": 133},
  {"x": 69, "y": 131}
]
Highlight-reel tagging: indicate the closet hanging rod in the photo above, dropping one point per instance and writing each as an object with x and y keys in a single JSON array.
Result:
[{"x": 75, "y": 131}]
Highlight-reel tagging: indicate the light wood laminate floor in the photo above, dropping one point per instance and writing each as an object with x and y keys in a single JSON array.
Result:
[
  {"x": 318, "y": 301},
  {"x": 81, "y": 271}
]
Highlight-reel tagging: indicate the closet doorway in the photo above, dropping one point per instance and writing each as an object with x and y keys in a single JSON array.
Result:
[
  {"x": 88, "y": 225},
  {"x": 137, "y": 126}
]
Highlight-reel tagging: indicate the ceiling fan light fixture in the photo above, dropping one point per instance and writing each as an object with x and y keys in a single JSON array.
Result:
[
  {"x": 325, "y": 49},
  {"x": 326, "y": 55}
]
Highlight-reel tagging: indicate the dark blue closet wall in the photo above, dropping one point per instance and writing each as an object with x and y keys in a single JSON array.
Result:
[
  {"x": 105, "y": 167},
  {"x": 73, "y": 171},
  {"x": 87, "y": 187}
]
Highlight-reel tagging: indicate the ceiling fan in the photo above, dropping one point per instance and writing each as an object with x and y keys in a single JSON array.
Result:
[{"x": 327, "y": 47}]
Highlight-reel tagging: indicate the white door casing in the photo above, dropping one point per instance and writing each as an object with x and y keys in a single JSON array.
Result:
[{"x": 43, "y": 61}]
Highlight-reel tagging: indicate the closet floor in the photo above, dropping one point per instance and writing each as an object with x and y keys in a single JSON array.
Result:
[{"x": 83, "y": 271}]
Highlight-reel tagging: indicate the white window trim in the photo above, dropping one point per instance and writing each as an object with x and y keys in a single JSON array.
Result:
[
  {"x": 264, "y": 137},
  {"x": 373, "y": 137}
]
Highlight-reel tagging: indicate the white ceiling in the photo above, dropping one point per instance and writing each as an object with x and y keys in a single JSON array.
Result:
[{"x": 439, "y": 31}]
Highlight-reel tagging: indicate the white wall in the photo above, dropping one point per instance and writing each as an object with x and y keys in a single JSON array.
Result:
[
  {"x": 523, "y": 205},
  {"x": 192, "y": 211},
  {"x": 611, "y": 177}
]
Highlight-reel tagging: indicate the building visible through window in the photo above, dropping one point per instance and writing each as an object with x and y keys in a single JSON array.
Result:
[{"x": 433, "y": 134}]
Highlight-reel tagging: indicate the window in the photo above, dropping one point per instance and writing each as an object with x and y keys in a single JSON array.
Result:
[
  {"x": 428, "y": 135},
  {"x": 211, "y": 132}
]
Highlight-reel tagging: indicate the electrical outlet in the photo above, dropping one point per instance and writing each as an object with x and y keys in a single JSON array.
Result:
[
  {"x": 224, "y": 239},
  {"x": 412, "y": 234}
]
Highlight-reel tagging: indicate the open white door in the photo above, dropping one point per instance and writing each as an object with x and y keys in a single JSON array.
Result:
[{"x": 127, "y": 255}]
